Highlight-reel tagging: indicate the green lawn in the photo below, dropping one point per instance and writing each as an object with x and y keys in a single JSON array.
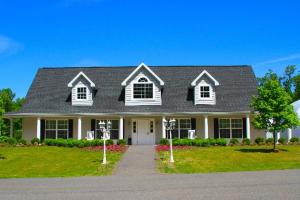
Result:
[
  {"x": 53, "y": 162},
  {"x": 230, "y": 159}
]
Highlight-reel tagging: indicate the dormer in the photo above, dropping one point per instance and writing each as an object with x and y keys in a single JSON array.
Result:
[
  {"x": 142, "y": 87},
  {"x": 82, "y": 90},
  {"x": 205, "y": 89}
]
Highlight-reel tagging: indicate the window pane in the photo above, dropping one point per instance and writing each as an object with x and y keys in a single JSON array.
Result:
[
  {"x": 62, "y": 134},
  {"x": 236, "y": 123},
  {"x": 224, "y": 123},
  {"x": 50, "y": 134},
  {"x": 62, "y": 124},
  {"x": 224, "y": 133},
  {"x": 174, "y": 133},
  {"x": 237, "y": 133},
  {"x": 114, "y": 124},
  {"x": 114, "y": 134},
  {"x": 204, "y": 91},
  {"x": 81, "y": 93},
  {"x": 185, "y": 124},
  {"x": 184, "y": 133},
  {"x": 143, "y": 91},
  {"x": 50, "y": 124}
]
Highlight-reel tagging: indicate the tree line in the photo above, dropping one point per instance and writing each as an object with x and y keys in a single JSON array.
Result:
[{"x": 9, "y": 103}]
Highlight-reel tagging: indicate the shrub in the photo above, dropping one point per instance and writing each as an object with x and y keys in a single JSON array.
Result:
[
  {"x": 221, "y": 142},
  {"x": 3, "y": 139},
  {"x": 246, "y": 141},
  {"x": 234, "y": 141},
  {"x": 282, "y": 140},
  {"x": 22, "y": 141},
  {"x": 121, "y": 142},
  {"x": 109, "y": 142},
  {"x": 198, "y": 142},
  {"x": 294, "y": 140},
  {"x": 164, "y": 141},
  {"x": 269, "y": 141},
  {"x": 212, "y": 141},
  {"x": 12, "y": 141},
  {"x": 35, "y": 141},
  {"x": 259, "y": 140},
  {"x": 205, "y": 143}
]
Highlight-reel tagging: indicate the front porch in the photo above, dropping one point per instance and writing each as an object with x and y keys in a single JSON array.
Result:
[{"x": 140, "y": 129}]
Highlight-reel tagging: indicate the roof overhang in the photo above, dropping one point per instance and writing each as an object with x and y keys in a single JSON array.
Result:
[
  {"x": 92, "y": 84},
  {"x": 204, "y": 72},
  {"x": 124, "y": 83},
  {"x": 20, "y": 115}
]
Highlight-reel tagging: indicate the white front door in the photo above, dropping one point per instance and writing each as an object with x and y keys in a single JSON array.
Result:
[{"x": 144, "y": 133}]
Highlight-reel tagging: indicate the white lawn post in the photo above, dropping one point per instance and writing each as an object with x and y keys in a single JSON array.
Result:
[
  {"x": 106, "y": 134},
  {"x": 171, "y": 148},
  {"x": 170, "y": 124}
]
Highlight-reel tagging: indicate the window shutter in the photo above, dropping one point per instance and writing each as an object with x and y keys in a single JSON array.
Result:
[
  {"x": 42, "y": 133},
  {"x": 70, "y": 128},
  {"x": 93, "y": 125},
  {"x": 216, "y": 128},
  {"x": 193, "y": 123},
  {"x": 244, "y": 128}
]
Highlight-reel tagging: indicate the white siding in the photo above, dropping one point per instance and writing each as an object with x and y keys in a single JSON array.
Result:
[
  {"x": 88, "y": 101},
  {"x": 207, "y": 101},
  {"x": 130, "y": 101}
]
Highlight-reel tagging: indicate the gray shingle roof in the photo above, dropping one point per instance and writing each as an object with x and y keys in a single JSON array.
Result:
[{"x": 49, "y": 92}]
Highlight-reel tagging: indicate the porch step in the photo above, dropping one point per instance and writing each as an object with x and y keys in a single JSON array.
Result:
[{"x": 137, "y": 160}]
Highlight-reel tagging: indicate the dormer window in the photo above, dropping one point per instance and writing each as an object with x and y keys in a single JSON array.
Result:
[
  {"x": 204, "y": 92},
  {"x": 205, "y": 89},
  {"x": 143, "y": 89},
  {"x": 81, "y": 93},
  {"x": 82, "y": 90}
]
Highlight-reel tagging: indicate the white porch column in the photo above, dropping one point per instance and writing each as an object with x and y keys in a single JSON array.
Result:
[
  {"x": 205, "y": 127},
  {"x": 163, "y": 128},
  {"x": 38, "y": 128},
  {"x": 79, "y": 129},
  {"x": 121, "y": 125},
  {"x": 11, "y": 130},
  {"x": 248, "y": 127},
  {"x": 289, "y": 134}
]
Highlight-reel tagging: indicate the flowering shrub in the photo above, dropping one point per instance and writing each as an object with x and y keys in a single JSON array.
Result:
[
  {"x": 167, "y": 147},
  {"x": 111, "y": 148}
]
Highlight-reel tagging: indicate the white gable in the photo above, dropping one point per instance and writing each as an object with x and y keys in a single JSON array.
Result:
[
  {"x": 125, "y": 82},
  {"x": 78, "y": 75},
  {"x": 204, "y": 72}
]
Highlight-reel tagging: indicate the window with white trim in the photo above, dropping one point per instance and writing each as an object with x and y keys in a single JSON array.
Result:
[
  {"x": 56, "y": 129},
  {"x": 182, "y": 127},
  {"x": 204, "y": 92},
  {"x": 231, "y": 128},
  {"x": 143, "y": 89},
  {"x": 114, "y": 131},
  {"x": 81, "y": 93}
]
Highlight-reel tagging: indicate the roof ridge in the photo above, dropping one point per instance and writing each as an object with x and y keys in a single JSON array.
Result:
[{"x": 159, "y": 66}]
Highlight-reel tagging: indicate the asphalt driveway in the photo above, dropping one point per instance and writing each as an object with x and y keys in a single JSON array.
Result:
[{"x": 246, "y": 185}]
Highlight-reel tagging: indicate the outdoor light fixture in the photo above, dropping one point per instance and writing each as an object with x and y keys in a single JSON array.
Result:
[
  {"x": 170, "y": 125},
  {"x": 106, "y": 136}
]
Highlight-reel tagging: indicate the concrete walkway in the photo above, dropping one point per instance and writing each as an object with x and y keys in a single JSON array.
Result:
[{"x": 138, "y": 160}]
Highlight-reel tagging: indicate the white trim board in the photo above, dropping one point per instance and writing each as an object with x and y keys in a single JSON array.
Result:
[
  {"x": 92, "y": 84},
  {"x": 124, "y": 83},
  {"x": 208, "y": 74}
]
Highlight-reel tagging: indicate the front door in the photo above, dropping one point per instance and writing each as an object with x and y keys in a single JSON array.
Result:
[{"x": 144, "y": 133}]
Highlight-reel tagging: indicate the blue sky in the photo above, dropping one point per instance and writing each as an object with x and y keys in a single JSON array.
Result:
[{"x": 265, "y": 34}]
